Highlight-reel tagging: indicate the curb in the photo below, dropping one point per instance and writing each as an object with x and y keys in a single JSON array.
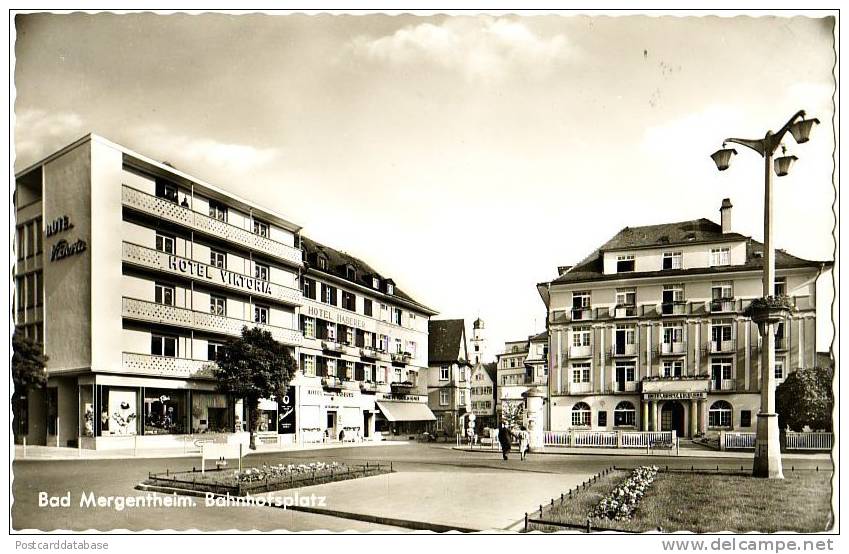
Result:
[{"x": 395, "y": 522}]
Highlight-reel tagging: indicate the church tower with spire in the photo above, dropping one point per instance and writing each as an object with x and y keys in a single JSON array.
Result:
[{"x": 479, "y": 353}]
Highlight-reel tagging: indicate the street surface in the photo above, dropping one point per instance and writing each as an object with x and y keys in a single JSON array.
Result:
[{"x": 439, "y": 498}]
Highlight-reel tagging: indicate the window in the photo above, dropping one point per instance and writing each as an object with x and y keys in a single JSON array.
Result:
[
  {"x": 444, "y": 372},
  {"x": 672, "y": 260},
  {"x": 719, "y": 256},
  {"x": 368, "y": 372},
  {"x": 779, "y": 370},
  {"x": 213, "y": 350},
  {"x": 722, "y": 291},
  {"x": 624, "y": 262},
  {"x": 217, "y": 211},
  {"x": 580, "y": 336},
  {"x": 308, "y": 364},
  {"x": 328, "y": 294},
  {"x": 308, "y": 327},
  {"x": 218, "y": 259},
  {"x": 673, "y": 333},
  {"x": 349, "y": 301},
  {"x": 367, "y": 307},
  {"x": 626, "y": 297},
  {"x": 625, "y": 339},
  {"x": 398, "y": 346},
  {"x": 397, "y": 374},
  {"x": 375, "y": 282},
  {"x": 720, "y": 370},
  {"x": 261, "y": 271},
  {"x": 351, "y": 272},
  {"x": 625, "y": 415},
  {"x": 349, "y": 370},
  {"x": 261, "y": 314},
  {"x": 462, "y": 397},
  {"x": 349, "y": 336},
  {"x": 719, "y": 414},
  {"x": 581, "y": 373},
  {"x": 625, "y": 371},
  {"x": 673, "y": 368},
  {"x": 384, "y": 312},
  {"x": 331, "y": 367},
  {"x": 390, "y": 288},
  {"x": 673, "y": 293},
  {"x": 162, "y": 345},
  {"x": 164, "y": 294},
  {"x": 260, "y": 228},
  {"x": 780, "y": 286},
  {"x": 166, "y": 191},
  {"x": 602, "y": 418},
  {"x": 443, "y": 398},
  {"x": 164, "y": 243},
  {"x": 580, "y": 299},
  {"x": 580, "y": 415},
  {"x": 384, "y": 343},
  {"x": 439, "y": 423},
  {"x": 217, "y": 305},
  {"x": 331, "y": 332},
  {"x": 411, "y": 348},
  {"x": 745, "y": 418},
  {"x": 322, "y": 263},
  {"x": 720, "y": 332},
  {"x": 396, "y": 316},
  {"x": 309, "y": 288}
]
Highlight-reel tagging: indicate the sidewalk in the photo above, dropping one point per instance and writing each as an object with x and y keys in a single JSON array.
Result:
[
  {"x": 42, "y": 453},
  {"x": 689, "y": 451}
]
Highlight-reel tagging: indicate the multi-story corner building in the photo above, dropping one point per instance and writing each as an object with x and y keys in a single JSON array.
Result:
[
  {"x": 449, "y": 375},
  {"x": 521, "y": 366},
  {"x": 649, "y": 332},
  {"x": 364, "y": 354},
  {"x": 483, "y": 394},
  {"x": 133, "y": 274}
]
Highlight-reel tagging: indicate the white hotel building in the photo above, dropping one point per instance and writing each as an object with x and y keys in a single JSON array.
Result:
[
  {"x": 649, "y": 331},
  {"x": 133, "y": 274}
]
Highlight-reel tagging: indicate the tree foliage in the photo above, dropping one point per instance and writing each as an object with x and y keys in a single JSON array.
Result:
[
  {"x": 28, "y": 363},
  {"x": 806, "y": 398},
  {"x": 253, "y": 367}
]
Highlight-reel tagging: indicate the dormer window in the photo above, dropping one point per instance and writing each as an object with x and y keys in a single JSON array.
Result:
[
  {"x": 720, "y": 256},
  {"x": 390, "y": 288},
  {"x": 322, "y": 263},
  {"x": 350, "y": 272},
  {"x": 672, "y": 260},
  {"x": 375, "y": 282},
  {"x": 624, "y": 263}
]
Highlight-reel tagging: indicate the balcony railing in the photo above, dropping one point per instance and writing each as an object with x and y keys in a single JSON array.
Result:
[
  {"x": 625, "y": 310},
  {"x": 165, "y": 366},
  {"x": 580, "y": 388},
  {"x": 720, "y": 346},
  {"x": 400, "y": 357},
  {"x": 168, "y": 210},
  {"x": 673, "y": 308},
  {"x": 723, "y": 385},
  {"x": 580, "y": 351},
  {"x": 673, "y": 347},
  {"x": 150, "y": 258},
  {"x": 622, "y": 386},
  {"x": 623, "y": 350},
  {"x": 153, "y": 312},
  {"x": 724, "y": 305},
  {"x": 582, "y": 314}
]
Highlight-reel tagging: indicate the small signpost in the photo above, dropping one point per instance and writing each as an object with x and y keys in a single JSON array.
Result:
[{"x": 220, "y": 452}]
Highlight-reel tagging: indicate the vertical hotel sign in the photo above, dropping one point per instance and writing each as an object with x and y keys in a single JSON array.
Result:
[
  {"x": 286, "y": 423},
  {"x": 64, "y": 248}
]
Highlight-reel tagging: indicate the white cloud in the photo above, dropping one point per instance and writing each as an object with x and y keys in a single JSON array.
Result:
[
  {"x": 39, "y": 132},
  {"x": 479, "y": 48}
]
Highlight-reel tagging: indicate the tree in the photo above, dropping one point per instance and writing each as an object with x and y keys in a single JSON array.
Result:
[
  {"x": 806, "y": 398},
  {"x": 253, "y": 367},
  {"x": 28, "y": 363}
]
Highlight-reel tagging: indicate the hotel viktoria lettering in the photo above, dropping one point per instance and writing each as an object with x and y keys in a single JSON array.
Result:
[{"x": 198, "y": 269}]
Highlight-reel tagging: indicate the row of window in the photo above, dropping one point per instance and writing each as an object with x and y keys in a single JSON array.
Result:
[
  {"x": 445, "y": 397},
  {"x": 625, "y": 415},
  {"x": 170, "y": 192},
  {"x": 721, "y": 331},
  {"x": 720, "y": 369},
  {"x": 29, "y": 292},
  {"x": 321, "y": 366},
  {"x": 351, "y": 273},
  {"x": 30, "y": 240},
  {"x": 315, "y": 328},
  {"x": 445, "y": 373},
  {"x": 165, "y": 293},
  {"x": 482, "y": 405},
  {"x": 480, "y": 391},
  {"x": 673, "y": 260},
  {"x": 328, "y": 294}
]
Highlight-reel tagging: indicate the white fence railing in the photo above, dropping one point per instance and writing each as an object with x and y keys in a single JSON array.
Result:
[
  {"x": 809, "y": 441},
  {"x": 608, "y": 439},
  {"x": 644, "y": 439},
  {"x": 792, "y": 440}
]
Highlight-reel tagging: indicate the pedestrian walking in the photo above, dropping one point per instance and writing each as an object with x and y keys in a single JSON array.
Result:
[
  {"x": 504, "y": 439},
  {"x": 524, "y": 442}
]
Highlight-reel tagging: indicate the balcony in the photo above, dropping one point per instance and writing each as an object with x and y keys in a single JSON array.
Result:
[
  {"x": 623, "y": 350},
  {"x": 673, "y": 308},
  {"x": 150, "y": 258},
  {"x": 720, "y": 347},
  {"x": 404, "y": 388},
  {"x": 582, "y": 314},
  {"x": 622, "y": 386},
  {"x": 625, "y": 310},
  {"x": 580, "y": 351},
  {"x": 333, "y": 346},
  {"x": 369, "y": 353},
  {"x": 152, "y": 312},
  {"x": 580, "y": 388},
  {"x": 170, "y": 211},
  {"x": 723, "y": 385},
  {"x": 667, "y": 348},
  {"x": 723, "y": 305},
  {"x": 164, "y": 366},
  {"x": 400, "y": 357}
]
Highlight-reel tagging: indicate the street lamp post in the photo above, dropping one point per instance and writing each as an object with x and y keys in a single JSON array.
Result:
[{"x": 767, "y": 461}]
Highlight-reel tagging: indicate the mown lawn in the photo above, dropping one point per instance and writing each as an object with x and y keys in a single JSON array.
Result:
[{"x": 704, "y": 502}]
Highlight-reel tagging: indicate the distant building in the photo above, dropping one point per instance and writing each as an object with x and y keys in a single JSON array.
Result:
[
  {"x": 483, "y": 393},
  {"x": 522, "y": 365},
  {"x": 479, "y": 353},
  {"x": 449, "y": 375}
]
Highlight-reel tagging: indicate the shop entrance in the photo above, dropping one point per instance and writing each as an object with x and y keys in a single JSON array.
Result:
[
  {"x": 367, "y": 423},
  {"x": 331, "y": 425},
  {"x": 672, "y": 418}
]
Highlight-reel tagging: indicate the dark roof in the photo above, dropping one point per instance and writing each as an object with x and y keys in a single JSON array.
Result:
[
  {"x": 337, "y": 263},
  {"x": 445, "y": 341},
  {"x": 540, "y": 337},
  {"x": 671, "y": 234}
]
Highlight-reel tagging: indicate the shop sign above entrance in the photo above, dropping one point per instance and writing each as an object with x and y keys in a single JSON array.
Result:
[{"x": 675, "y": 395}]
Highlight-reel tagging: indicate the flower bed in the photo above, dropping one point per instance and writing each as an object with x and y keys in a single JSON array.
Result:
[
  {"x": 623, "y": 500},
  {"x": 285, "y": 471}
]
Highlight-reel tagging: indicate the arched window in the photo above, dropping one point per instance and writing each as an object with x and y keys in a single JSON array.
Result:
[
  {"x": 719, "y": 414},
  {"x": 580, "y": 415},
  {"x": 625, "y": 415}
]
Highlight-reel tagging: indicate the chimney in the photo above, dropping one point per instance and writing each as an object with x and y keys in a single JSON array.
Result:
[{"x": 725, "y": 215}]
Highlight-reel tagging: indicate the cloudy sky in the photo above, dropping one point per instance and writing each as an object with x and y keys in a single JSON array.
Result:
[{"x": 464, "y": 156}]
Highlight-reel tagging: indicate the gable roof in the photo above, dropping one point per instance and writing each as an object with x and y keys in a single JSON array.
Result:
[
  {"x": 337, "y": 261},
  {"x": 446, "y": 341},
  {"x": 542, "y": 337},
  {"x": 702, "y": 230}
]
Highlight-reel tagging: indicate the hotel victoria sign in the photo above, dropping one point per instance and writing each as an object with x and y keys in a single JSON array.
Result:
[
  {"x": 63, "y": 248},
  {"x": 198, "y": 269}
]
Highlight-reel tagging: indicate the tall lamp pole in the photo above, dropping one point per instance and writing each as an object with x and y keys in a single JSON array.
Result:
[{"x": 767, "y": 461}]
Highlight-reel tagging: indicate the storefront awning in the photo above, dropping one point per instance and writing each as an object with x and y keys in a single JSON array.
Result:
[{"x": 405, "y": 411}]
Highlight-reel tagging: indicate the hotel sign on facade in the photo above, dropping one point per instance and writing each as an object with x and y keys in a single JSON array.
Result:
[{"x": 329, "y": 313}]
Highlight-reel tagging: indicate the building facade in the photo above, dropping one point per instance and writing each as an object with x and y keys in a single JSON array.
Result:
[
  {"x": 449, "y": 376},
  {"x": 134, "y": 274},
  {"x": 649, "y": 332},
  {"x": 522, "y": 366},
  {"x": 483, "y": 394}
]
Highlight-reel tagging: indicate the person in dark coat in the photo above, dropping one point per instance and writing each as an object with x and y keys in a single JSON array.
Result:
[{"x": 504, "y": 439}]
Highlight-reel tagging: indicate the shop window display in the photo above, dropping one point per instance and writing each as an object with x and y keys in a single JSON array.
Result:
[
  {"x": 118, "y": 411},
  {"x": 164, "y": 412},
  {"x": 209, "y": 413}
]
